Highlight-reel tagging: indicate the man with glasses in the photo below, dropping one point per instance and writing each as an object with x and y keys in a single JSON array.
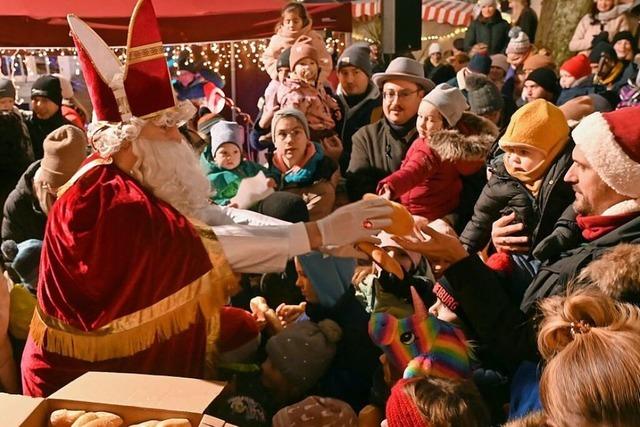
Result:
[{"x": 379, "y": 148}]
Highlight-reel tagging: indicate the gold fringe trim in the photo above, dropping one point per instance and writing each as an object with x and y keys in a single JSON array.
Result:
[{"x": 159, "y": 322}]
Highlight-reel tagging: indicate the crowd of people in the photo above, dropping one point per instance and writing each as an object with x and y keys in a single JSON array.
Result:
[{"x": 447, "y": 243}]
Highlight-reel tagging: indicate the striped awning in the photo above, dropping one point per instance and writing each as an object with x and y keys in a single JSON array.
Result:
[
  {"x": 363, "y": 9},
  {"x": 452, "y": 12}
]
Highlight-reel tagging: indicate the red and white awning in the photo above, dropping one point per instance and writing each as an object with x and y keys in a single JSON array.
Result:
[
  {"x": 363, "y": 9},
  {"x": 452, "y": 12}
]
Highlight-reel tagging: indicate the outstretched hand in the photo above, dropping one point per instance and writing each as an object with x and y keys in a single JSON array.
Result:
[{"x": 435, "y": 246}]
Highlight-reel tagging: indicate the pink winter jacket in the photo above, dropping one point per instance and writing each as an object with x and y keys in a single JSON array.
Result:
[
  {"x": 586, "y": 31},
  {"x": 320, "y": 109},
  {"x": 284, "y": 39}
]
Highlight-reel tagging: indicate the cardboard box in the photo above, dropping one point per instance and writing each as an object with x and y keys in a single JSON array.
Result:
[{"x": 134, "y": 397}]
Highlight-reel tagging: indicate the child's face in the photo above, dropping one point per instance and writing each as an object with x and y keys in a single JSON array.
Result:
[
  {"x": 523, "y": 159},
  {"x": 304, "y": 284},
  {"x": 291, "y": 141},
  {"x": 623, "y": 49},
  {"x": 429, "y": 120},
  {"x": 307, "y": 70},
  {"x": 283, "y": 73},
  {"x": 6, "y": 104},
  {"x": 566, "y": 79},
  {"x": 291, "y": 21},
  {"x": 272, "y": 378},
  {"x": 604, "y": 5},
  {"x": 228, "y": 156}
]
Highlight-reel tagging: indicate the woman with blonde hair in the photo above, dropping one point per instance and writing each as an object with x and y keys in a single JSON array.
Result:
[{"x": 592, "y": 347}]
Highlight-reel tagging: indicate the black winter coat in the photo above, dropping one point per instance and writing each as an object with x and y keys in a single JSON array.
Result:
[
  {"x": 350, "y": 375},
  {"x": 509, "y": 331},
  {"x": 39, "y": 129},
  {"x": 494, "y": 32},
  {"x": 504, "y": 194},
  {"x": 23, "y": 218},
  {"x": 367, "y": 111},
  {"x": 528, "y": 22}
]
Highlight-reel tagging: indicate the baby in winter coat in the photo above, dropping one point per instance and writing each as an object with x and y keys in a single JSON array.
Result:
[
  {"x": 575, "y": 78},
  {"x": 294, "y": 23},
  {"x": 303, "y": 92},
  {"x": 527, "y": 182},
  {"x": 452, "y": 143},
  {"x": 224, "y": 164}
]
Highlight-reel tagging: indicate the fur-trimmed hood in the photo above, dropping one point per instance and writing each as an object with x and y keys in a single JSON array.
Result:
[
  {"x": 616, "y": 273},
  {"x": 471, "y": 139}
]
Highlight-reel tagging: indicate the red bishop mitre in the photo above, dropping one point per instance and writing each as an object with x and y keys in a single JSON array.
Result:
[{"x": 140, "y": 88}]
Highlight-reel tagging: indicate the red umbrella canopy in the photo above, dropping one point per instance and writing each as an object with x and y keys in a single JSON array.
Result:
[{"x": 42, "y": 23}]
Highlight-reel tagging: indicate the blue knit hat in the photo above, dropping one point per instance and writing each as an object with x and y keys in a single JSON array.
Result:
[
  {"x": 480, "y": 64},
  {"x": 223, "y": 132},
  {"x": 24, "y": 260},
  {"x": 329, "y": 276}
]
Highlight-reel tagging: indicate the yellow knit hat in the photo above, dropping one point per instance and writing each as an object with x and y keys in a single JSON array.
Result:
[{"x": 539, "y": 125}]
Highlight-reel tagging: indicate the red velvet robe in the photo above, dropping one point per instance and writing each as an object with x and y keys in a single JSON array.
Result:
[{"x": 112, "y": 249}]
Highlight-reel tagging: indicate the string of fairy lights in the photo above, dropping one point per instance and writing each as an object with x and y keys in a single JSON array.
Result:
[{"x": 216, "y": 56}]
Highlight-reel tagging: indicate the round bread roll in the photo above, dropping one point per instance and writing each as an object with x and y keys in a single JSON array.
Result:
[
  {"x": 174, "y": 422},
  {"x": 98, "y": 419},
  {"x": 150, "y": 423},
  {"x": 64, "y": 417}
]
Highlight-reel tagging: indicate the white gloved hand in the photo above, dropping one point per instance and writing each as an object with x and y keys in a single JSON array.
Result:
[{"x": 356, "y": 222}]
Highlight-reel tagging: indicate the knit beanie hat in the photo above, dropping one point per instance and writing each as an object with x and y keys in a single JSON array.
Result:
[
  {"x": 315, "y": 411},
  {"x": 356, "y": 55},
  {"x": 64, "y": 151},
  {"x": 48, "y": 87},
  {"x": 302, "y": 48},
  {"x": 500, "y": 60},
  {"x": 239, "y": 336},
  {"x": 289, "y": 112},
  {"x": 578, "y": 66},
  {"x": 283, "y": 59},
  {"x": 483, "y": 3},
  {"x": 24, "y": 259},
  {"x": 449, "y": 101},
  {"x": 519, "y": 41},
  {"x": 611, "y": 144},
  {"x": 539, "y": 125},
  {"x": 602, "y": 48},
  {"x": 303, "y": 351},
  {"x": 7, "y": 89},
  {"x": 624, "y": 35},
  {"x": 536, "y": 61},
  {"x": 547, "y": 79},
  {"x": 434, "y": 48},
  {"x": 480, "y": 64},
  {"x": 329, "y": 276},
  {"x": 402, "y": 410},
  {"x": 226, "y": 132},
  {"x": 483, "y": 95}
]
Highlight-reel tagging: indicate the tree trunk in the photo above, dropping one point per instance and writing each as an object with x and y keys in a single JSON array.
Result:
[{"x": 558, "y": 21}]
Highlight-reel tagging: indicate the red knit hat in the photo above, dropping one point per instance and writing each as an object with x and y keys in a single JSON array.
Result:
[
  {"x": 611, "y": 144},
  {"x": 578, "y": 66},
  {"x": 239, "y": 334},
  {"x": 302, "y": 48},
  {"x": 401, "y": 410}
]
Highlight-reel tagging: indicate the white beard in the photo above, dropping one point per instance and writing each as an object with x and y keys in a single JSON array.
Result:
[{"x": 172, "y": 172}]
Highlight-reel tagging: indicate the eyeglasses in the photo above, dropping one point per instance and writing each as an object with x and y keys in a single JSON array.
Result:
[{"x": 402, "y": 94}]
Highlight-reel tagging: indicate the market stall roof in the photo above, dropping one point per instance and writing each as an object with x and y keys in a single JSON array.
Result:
[
  {"x": 42, "y": 23},
  {"x": 452, "y": 12}
]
